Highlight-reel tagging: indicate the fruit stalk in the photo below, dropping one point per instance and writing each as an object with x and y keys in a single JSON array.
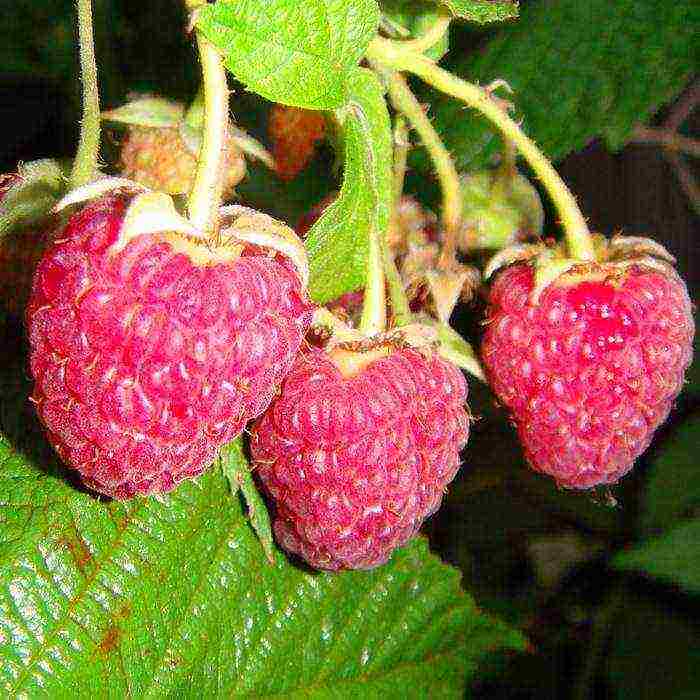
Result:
[
  {"x": 373, "y": 319},
  {"x": 405, "y": 102},
  {"x": 85, "y": 163},
  {"x": 575, "y": 228},
  {"x": 207, "y": 191}
]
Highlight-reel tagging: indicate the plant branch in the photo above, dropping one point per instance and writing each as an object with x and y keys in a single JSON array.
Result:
[
  {"x": 207, "y": 191},
  {"x": 426, "y": 41},
  {"x": 406, "y": 103},
  {"x": 85, "y": 163},
  {"x": 576, "y": 230},
  {"x": 373, "y": 319},
  {"x": 669, "y": 139}
]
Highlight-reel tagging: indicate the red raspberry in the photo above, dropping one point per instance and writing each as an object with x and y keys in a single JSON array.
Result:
[
  {"x": 294, "y": 133},
  {"x": 145, "y": 358},
  {"x": 590, "y": 370},
  {"x": 357, "y": 450}
]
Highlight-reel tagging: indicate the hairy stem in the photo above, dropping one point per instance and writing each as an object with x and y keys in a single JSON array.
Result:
[
  {"x": 427, "y": 40},
  {"x": 401, "y": 147},
  {"x": 406, "y": 103},
  {"x": 207, "y": 191},
  {"x": 85, "y": 163},
  {"x": 373, "y": 319},
  {"x": 575, "y": 228}
]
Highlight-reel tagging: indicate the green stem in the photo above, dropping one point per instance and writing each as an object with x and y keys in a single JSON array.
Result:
[
  {"x": 426, "y": 41},
  {"x": 401, "y": 148},
  {"x": 207, "y": 191},
  {"x": 373, "y": 319},
  {"x": 575, "y": 228},
  {"x": 406, "y": 103},
  {"x": 85, "y": 163}
]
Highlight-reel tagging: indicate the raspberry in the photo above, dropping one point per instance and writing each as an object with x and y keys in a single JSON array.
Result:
[
  {"x": 592, "y": 368},
  {"x": 357, "y": 450},
  {"x": 150, "y": 354},
  {"x": 160, "y": 159},
  {"x": 294, "y": 133}
]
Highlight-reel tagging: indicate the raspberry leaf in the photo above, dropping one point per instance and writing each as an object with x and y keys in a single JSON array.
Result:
[
  {"x": 568, "y": 89},
  {"x": 296, "y": 53},
  {"x": 338, "y": 242},
  {"x": 237, "y": 471},
  {"x": 151, "y": 599},
  {"x": 482, "y": 11},
  {"x": 674, "y": 557}
]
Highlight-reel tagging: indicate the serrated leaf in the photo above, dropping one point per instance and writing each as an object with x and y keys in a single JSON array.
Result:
[
  {"x": 237, "y": 471},
  {"x": 578, "y": 70},
  {"x": 416, "y": 18},
  {"x": 296, "y": 53},
  {"x": 673, "y": 557},
  {"x": 482, "y": 11},
  {"x": 338, "y": 242},
  {"x": 175, "y": 598},
  {"x": 673, "y": 489}
]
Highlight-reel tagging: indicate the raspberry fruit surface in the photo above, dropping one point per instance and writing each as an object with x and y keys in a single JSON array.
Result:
[
  {"x": 355, "y": 463},
  {"x": 160, "y": 159},
  {"x": 145, "y": 362},
  {"x": 592, "y": 369},
  {"x": 294, "y": 133}
]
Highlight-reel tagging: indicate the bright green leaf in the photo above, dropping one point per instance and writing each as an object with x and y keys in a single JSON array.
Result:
[
  {"x": 338, "y": 242},
  {"x": 673, "y": 489},
  {"x": 578, "y": 70},
  {"x": 482, "y": 11},
  {"x": 173, "y": 599},
  {"x": 296, "y": 53},
  {"x": 673, "y": 557}
]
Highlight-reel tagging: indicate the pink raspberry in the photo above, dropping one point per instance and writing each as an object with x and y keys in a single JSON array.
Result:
[
  {"x": 146, "y": 359},
  {"x": 590, "y": 370},
  {"x": 357, "y": 450}
]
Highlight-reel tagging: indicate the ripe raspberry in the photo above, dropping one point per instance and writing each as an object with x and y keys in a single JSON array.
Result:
[
  {"x": 357, "y": 450},
  {"x": 148, "y": 356},
  {"x": 590, "y": 370},
  {"x": 294, "y": 133},
  {"x": 160, "y": 159}
]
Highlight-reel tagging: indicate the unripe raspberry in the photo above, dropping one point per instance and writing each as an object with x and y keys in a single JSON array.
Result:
[
  {"x": 151, "y": 351},
  {"x": 294, "y": 133},
  {"x": 591, "y": 367},
  {"x": 357, "y": 451}
]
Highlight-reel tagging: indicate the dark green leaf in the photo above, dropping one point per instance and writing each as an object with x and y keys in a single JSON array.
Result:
[
  {"x": 673, "y": 557},
  {"x": 673, "y": 490},
  {"x": 338, "y": 242},
  {"x": 482, "y": 11},
  {"x": 297, "y": 53},
  {"x": 578, "y": 70}
]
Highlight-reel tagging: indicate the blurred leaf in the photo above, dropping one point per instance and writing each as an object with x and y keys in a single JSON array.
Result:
[
  {"x": 673, "y": 557},
  {"x": 296, "y": 53},
  {"x": 673, "y": 489},
  {"x": 655, "y": 653},
  {"x": 416, "y": 18},
  {"x": 338, "y": 242},
  {"x": 578, "y": 70},
  {"x": 482, "y": 11}
]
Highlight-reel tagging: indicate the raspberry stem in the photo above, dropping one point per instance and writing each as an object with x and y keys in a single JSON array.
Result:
[
  {"x": 207, "y": 191},
  {"x": 391, "y": 54},
  {"x": 85, "y": 163},
  {"x": 406, "y": 103},
  {"x": 373, "y": 319}
]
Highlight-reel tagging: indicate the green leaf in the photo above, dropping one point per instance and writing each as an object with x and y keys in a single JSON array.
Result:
[
  {"x": 175, "y": 598},
  {"x": 673, "y": 557},
  {"x": 147, "y": 111},
  {"x": 296, "y": 53},
  {"x": 482, "y": 11},
  {"x": 237, "y": 471},
  {"x": 40, "y": 185},
  {"x": 415, "y": 18},
  {"x": 578, "y": 70},
  {"x": 673, "y": 490},
  {"x": 338, "y": 243}
]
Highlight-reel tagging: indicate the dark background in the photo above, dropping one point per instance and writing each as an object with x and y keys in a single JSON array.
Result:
[{"x": 529, "y": 553}]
